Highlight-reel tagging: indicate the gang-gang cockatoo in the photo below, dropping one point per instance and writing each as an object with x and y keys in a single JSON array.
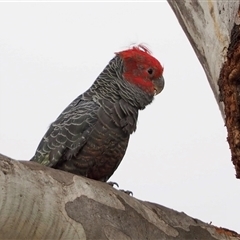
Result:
[{"x": 90, "y": 137}]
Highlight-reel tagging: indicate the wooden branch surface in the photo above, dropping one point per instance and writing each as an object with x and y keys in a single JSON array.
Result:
[
  {"x": 208, "y": 26},
  {"x": 37, "y": 202},
  {"x": 213, "y": 29}
]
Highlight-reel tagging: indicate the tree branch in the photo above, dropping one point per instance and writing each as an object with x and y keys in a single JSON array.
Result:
[
  {"x": 212, "y": 28},
  {"x": 208, "y": 25},
  {"x": 37, "y": 202}
]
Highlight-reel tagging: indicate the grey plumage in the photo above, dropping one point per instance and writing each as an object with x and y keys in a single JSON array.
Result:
[{"x": 91, "y": 135}]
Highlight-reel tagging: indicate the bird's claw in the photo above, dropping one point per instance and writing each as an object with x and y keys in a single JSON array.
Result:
[
  {"x": 130, "y": 193},
  {"x": 112, "y": 184}
]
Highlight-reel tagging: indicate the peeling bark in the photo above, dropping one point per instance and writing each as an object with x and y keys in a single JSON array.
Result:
[
  {"x": 229, "y": 85},
  {"x": 37, "y": 202},
  {"x": 212, "y": 28}
]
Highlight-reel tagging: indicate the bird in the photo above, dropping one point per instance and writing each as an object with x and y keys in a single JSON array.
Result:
[{"x": 90, "y": 137}]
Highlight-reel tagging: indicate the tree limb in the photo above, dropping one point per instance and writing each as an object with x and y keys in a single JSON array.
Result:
[
  {"x": 37, "y": 202},
  {"x": 212, "y": 28}
]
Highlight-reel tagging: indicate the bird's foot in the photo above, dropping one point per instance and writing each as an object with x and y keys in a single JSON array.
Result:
[
  {"x": 112, "y": 184},
  {"x": 130, "y": 193}
]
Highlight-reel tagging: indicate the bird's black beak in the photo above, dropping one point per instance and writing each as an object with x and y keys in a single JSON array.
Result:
[{"x": 158, "y": 85}]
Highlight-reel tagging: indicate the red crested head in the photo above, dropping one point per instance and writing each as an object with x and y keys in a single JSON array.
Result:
[{"x": 142, "y": 69}]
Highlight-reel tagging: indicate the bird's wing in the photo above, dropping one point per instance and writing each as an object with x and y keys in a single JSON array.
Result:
[{"x": 68, "y": 134}]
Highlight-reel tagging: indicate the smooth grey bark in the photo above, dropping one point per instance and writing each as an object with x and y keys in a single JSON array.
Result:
[
  {"x": 208, "y": 26},
  {"x": 213, "y": 29},
  {"x": 37, "y": 202}
]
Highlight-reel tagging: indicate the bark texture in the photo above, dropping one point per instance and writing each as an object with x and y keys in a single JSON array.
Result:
[
  {"x": 212, "y": 27},
  {"x": 229, "y": 85},
  {"x": 37, "y": 202}
]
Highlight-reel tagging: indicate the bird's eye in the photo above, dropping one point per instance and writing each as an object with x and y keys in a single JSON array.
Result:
[{"x": 150, "y": 71}]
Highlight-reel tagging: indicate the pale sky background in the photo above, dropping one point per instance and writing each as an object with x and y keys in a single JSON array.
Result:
[{"x": 52, "y": 52}]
